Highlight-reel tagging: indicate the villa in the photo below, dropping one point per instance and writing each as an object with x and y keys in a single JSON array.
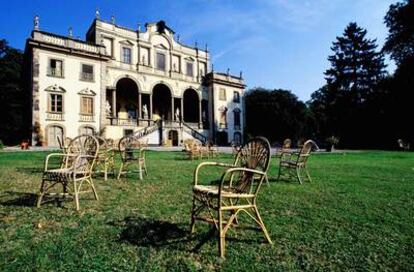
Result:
[{"x": 121, "y": 81}]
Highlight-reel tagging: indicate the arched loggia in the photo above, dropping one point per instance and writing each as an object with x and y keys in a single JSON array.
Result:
[
  {"x": 162, "y": 102},
  {"x": 191, "y": 106}
]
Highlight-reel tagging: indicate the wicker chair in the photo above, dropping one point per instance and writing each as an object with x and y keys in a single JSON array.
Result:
[
  {"x": 106, "y": 157},
  {"x": 76, "y": 169},
  {"x": 295, "y": 162},
  {"x": 132, "y": 154},
  {"x": 238, "y": 190}
]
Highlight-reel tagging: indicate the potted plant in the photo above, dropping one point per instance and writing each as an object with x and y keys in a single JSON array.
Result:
[
  {"x": 38, "y": 135},
  {"x": 332, "y": 141}
]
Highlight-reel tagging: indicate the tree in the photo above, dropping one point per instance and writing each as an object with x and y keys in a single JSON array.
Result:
[
  {"x": 356, "y": 69},
  {"x": 356, "y": 66},
  {"x": 13, "y": 105},
  {"x": 400, "y": 23},
  {"x": 399, "y": 89},
  {"x": 276, "y": 114}
]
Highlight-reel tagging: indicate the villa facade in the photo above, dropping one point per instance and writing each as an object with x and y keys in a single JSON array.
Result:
[{"x": 122, "y": 81}]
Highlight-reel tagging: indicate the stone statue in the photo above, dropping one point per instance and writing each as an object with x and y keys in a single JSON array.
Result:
[
  {"x": 145, "y": 111},
  {"x": 36, "y": 22},
  {"x": 108, "y": 108},
  {"x": 204, "y": 116},
  {"x": 177, "y": 114}
]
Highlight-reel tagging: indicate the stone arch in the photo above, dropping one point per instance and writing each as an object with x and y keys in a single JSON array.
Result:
[
  {"x": 162, "y": 97},
  {"x": 117, "y": 79},
  {"x": 191, "y": 100},
  {"x": 127, "y": 99}
]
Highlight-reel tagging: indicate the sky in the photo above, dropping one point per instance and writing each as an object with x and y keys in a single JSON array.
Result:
[{"x": 276, "y": 43}]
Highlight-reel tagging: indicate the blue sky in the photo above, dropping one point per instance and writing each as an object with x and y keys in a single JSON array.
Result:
[{"x": 276, "y": 43}]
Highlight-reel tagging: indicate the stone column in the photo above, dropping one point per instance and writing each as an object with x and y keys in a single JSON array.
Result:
[
  {"x": 172, "y": 108},
  {"x": 114, "y": 103},
  {"x": 139, "y": 106},
  {"x": 182, "y": 109},
  {"x": 200, "y": 118},
  {"x": 150, "y": 110}
]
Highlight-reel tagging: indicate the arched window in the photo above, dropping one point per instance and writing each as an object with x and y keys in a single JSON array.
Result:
[
  {"x": 237, "y": 138},
  {"x": 86, "y": 130},
  {"x": 223, "y": 117},
  {"x": 54, "y": 132}
]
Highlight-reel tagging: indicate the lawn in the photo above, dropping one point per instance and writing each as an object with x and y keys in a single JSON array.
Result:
[{"x": 357, "y": 214}]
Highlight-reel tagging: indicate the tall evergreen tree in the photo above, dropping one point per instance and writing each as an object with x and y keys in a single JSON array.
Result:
[
  {"x": 356, "y": 66},
  {"x": 356, "y": 69}
]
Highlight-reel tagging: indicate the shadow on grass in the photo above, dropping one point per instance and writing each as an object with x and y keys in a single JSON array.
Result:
[
  {"x": 145, "y": 232},
  {"x": 21, "y": 199},
  {"x": 30, "y": 170}
]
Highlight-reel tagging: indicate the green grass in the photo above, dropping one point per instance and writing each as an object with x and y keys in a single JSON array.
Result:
[{"x": 357, "y": 214}]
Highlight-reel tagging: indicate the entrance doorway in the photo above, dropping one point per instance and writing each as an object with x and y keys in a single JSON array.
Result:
[{"x": 173, "y": 137}]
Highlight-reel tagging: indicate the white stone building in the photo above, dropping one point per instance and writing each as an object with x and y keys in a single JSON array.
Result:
[{"x": 122, "y": 81}]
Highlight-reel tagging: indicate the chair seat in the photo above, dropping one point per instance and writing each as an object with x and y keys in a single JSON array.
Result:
[
  {"x": 213, "y": 190},
  {"x": 288, "y": 163}
]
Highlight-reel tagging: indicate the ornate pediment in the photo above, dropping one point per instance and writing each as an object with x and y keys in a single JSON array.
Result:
[
  {"x": 55, "y": 88},
  {"x": 87, "y": 92},
  {"x": 126, "y": 42},
  {"x": 160, "y": 46}
]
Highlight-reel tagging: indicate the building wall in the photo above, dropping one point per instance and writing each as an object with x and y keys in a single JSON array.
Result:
[
  {"x": 72, "y": 85},
  {"x": 109, "y": 69}
]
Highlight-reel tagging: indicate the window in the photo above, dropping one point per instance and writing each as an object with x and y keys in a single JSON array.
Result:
[
  {"x": 126, "y": 55},
  {"x": 223, "y": 117},
  {"x": 222, "y": 94},
  {"x": 87, "y": 105},
  {"x": 236, "y": 97},
  {"x": 160, "y": 61},
  {"x": 55, "y": 68},
  {"x": 86, "y": 130},
  {"x": 236, "y": 119},
  {"x": 56, "y": 103},
  {"x": 87, "y": 72},
  {"x": 189, "y": 68}
]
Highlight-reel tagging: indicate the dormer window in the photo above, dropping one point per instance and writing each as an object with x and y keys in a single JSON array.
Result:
[
  {"x": 160, "y": 61},
  {"x": 126, "y": 55}
]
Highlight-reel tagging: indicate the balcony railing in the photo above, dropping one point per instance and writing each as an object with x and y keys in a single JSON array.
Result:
[
  {"x": 53, "y": 116},
  {"x": 56, "y": 72},
  {"x": 86, "y": 76},
  {"x": 223, "y": 126},
  {"x": 86, "y": 118}
]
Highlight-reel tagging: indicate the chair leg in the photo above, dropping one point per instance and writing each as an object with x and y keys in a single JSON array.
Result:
[
  {"x": 222, "y": 236},
  {"x": 93, "y": 188},
  {"x": 193, "y": 211},
  {"x": 298, "y": 175},
  {"x": 307, "y": 174},
  {"x": 41, "y": 194},
  {"x": 76, "y": 196},
  {"x": 140, "y": 170},
  {"x": 280, "y": 172},
  {"x": 106, "y": 171},
  {"x": 120, "y": 170},
  {"x": 262, "y": 225},
  {"x": 267, "y": 181}
]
